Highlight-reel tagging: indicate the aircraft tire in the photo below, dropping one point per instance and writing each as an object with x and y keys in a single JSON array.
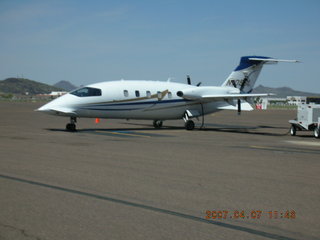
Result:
[
  {"x": 157, "y": 123},
  {"x": 316, "y": 132},
  {"x": 71, "y": 127},
  {"x": 189, "y": 125},
  {"x": 293, "y": 130}
]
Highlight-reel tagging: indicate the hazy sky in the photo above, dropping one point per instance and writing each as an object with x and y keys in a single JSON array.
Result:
[{"x": 92, "y": 41}]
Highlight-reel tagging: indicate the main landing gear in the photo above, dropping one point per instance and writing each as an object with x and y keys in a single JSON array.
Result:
[
  {"x": 188, "y": 124},
  {"x": 71, "y": 127},
  {"x": 157, "y": 123}
]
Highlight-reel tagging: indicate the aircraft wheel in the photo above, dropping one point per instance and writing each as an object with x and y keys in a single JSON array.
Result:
[
  {"x": 293, "y": 130},
  {"x": 189, "y": 125},
  {"x": 316, "y": 132},
  {"x": 71, "y": 127},
  {"x": 157, "y": 123}
]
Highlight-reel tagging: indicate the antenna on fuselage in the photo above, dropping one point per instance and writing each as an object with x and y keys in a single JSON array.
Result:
[{"x": 188, "y": 80}]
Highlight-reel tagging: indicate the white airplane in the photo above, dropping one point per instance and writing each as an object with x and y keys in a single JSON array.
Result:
[{"x": 159, "y": 101}]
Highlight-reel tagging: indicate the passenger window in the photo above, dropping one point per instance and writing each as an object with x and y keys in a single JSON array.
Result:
[
  {"x": 159, "y": 95},
  {"x": 148, "y": 94},
  {"x": 137, "y": 93},
  {"x": 169, "y": 95},
  {"x": 126, "y": 93},
  {"x": 87, "y": 92}
]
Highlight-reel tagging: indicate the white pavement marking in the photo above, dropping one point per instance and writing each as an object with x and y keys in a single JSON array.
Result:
[{"x": 306, "y": 143}]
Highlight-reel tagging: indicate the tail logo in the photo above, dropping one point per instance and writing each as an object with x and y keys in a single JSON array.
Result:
[{"x": 237, "y": 83}]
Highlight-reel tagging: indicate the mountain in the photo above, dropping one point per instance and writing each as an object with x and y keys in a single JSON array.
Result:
[
  {"x": 23, "y": 86},
  {"x": 67, "y": 86},
  {"x": 282, "y": 92}
]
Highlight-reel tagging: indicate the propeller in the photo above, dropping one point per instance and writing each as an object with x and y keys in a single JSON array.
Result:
[
  {"x": 244, "y": 81},
  {"x": 239, "y": 106},
  {"x": 189, "y": 81}
]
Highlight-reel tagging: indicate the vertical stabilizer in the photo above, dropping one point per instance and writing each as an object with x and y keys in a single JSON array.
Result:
[{"x": 245, "y": 75}]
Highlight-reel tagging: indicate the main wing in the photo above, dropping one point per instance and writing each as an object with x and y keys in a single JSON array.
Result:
[
  {"x": 233, "y": 96},
  {"x": 207, "y": 94}
]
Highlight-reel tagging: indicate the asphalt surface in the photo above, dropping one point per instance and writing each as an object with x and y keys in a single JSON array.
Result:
[{"x": 126, "y": 180}]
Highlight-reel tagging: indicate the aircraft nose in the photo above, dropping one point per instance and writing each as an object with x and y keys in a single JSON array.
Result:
[
  {"x": 50, "y": 105},
  {"x": 43, "y": 108},
  {"x": 61, "y": 104}
]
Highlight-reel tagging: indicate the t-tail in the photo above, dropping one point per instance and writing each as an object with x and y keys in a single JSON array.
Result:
[{"x": 245, "y": 75}]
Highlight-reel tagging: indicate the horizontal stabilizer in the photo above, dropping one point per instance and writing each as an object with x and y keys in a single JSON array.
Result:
[{"x": 272, "y": 60}]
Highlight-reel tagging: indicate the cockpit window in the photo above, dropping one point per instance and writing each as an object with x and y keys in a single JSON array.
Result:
[{"x": 87, "y": 92}]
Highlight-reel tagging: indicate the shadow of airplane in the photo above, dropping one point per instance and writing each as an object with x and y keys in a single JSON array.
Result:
[
  {"x": 158, "y": 131},
  {"x": 151, "y": 129},
  {"x": 226, "y": 128},
  {"x": 250, "y": 130}
]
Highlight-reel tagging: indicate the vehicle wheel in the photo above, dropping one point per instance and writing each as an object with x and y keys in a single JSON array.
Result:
[
  {"x": 189, "y": 125},
  {"x": 71, "y": 127},
  {"x": 157, "y": 123},
  {"x": 316, "y": 132},
  {"x": 293, "y": 130}
]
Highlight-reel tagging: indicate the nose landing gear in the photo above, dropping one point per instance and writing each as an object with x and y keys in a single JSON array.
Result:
[{"x": 71, "y": 127}]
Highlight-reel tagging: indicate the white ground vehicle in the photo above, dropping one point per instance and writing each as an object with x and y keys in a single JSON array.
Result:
[{"x": 308, "y": 119}]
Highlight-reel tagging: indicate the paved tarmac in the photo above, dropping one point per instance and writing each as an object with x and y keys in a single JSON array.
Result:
[{"x": 126, "y": 180}]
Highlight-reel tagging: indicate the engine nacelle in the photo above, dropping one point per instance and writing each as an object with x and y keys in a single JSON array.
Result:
[{"x": 199, "y": 92}]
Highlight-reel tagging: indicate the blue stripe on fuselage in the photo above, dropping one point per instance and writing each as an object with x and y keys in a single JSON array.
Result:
[
  {"x": 138, "y": 103},
  {"x": 104, "y": 109}
]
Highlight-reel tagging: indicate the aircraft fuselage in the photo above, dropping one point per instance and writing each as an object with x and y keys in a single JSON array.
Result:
[{"x": 133, "y": 100}]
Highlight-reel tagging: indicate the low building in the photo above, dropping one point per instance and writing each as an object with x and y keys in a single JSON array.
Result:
[
  {"x": 57, "y": 93},
  {"x": 295, "y": 100}
]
